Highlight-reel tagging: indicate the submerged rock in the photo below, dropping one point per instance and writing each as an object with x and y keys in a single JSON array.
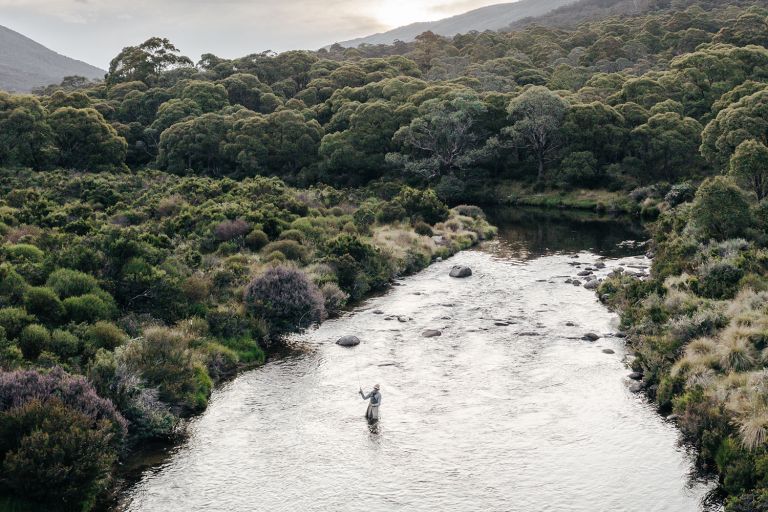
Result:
[
  {"x": 599, "y": 264},
  {"x": 635, "y": 376},
  {"x": 460, "y": 271},
  {"x": 431, "y": 333},
  {"x": 636, "y": 387},
  {"x": 590, "y": 336},
  {"x": 608, "y": 351},
  {"x": 584, "y": 273},
  {"x": 378, "y": 312},
  {"x": 348, "y": 341},
  {"x": 592, "y": 285},
  {"x": 576, "y": 282}
]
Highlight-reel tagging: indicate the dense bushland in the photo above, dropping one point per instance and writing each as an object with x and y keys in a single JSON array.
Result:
[
  {"x": 618, "y": 102},
  {"x": 125, "y": 297}
]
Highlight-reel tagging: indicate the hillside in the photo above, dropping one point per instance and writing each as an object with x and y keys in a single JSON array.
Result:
[
  {"x": 492, "y": 17},
  {"x": 25, "y": 64}
]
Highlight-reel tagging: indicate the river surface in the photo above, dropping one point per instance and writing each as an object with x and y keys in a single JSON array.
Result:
[{"x": 519, "y": 417}]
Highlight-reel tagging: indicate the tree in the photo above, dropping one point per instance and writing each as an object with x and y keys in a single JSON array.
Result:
[
  {"x": 85, "y": 140},
  {"x": 196, "y": 145},
  {"x": 720, "y": 210},
  {"x": 537, "y": 117},
  {"x": 145, "y": 62},
  {"x": 667, "y": 144},
  {"x": 749, "y": 164},
  {"x": 442, "y": 135},
  {"x": 746, "y": 119},
  {"x": 26, "y": 138}
]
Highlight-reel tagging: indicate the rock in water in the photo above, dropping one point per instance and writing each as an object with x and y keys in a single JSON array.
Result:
[
  {"x": 431, "y": 333},
  {"x": 592, "y": 285},
  {"x": 608, "y": 351},
  {"x": 635, "y": 376},
  {"x": 590, "y": 336},
  {"x": 348, "y": 341},
  {"x": 460, "y": 271}
]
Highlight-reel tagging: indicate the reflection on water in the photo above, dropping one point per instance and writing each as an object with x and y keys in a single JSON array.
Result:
[
  {"x": 508, "y": 410},
  {"x": 530, "y": 233}
]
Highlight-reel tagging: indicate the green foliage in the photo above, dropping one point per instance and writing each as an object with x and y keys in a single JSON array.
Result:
[
  {"x": 87, "y": 308},
  {"x": 33, "y": 339},
  {"x": 422, "y": 204},
  {"x": 57, "y": 455},
  {"x": 44, "y": 304},
  {"x": 71, "y": 283},
  {"x": 749, "y": 165},
  {"x": 13, "y": 320},
  {"x": 720, "y": 210}
]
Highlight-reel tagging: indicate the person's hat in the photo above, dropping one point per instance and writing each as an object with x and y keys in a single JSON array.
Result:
[{"x": 375, "y": 386}]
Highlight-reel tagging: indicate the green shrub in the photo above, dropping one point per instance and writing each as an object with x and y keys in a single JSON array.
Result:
[
  {"x": 247, "y": 349},
  {"x": 21, "y": 253},
  {"x": 105, "y": 335},
  {"x": 720, "y": 210},
  {"x": 220, "y": 361},
  {"x": 55, "y": 455},
  {"x": 422, "y": 204},
  {"x": 33, "y": 339},
  {"x": 256, "y": 239},
  {"x": 422, "y": 228},
  {"x": 87, "y": 308},
  {"x": 64, "y": 344},
  {"x": 44, "y": 304},
  {"x": 163, "y": 358},
  {"x": 13, "y": 320},
  {"x": 291, "y": 249},
  {"x": 12, "y": 285},
  {"x": 292, "y": 234},
  {"x": 71, "y": 283},
  {"x": 719, "y": 280}
]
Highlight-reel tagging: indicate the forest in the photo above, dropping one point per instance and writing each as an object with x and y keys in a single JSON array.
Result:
[{"x": 163, "y": 228}]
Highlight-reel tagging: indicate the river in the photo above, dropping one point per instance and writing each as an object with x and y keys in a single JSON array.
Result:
[{"x": 525, "y": 416}]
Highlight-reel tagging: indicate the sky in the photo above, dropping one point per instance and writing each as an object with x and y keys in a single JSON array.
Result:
[{"x": 96, "y": 30}]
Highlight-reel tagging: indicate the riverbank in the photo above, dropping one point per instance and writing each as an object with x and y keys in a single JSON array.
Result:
[
  {"x": 125, "y": 298},
  {"x": 698, "y": 329}
]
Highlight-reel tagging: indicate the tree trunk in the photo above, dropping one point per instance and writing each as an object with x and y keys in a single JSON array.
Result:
[{"x": 541, "y": 168}]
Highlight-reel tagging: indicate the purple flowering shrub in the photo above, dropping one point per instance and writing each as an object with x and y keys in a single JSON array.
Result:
[{"x": 286, "y": 298}]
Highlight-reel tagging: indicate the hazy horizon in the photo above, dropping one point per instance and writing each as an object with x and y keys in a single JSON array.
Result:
[{"x": 95, "y": 32}]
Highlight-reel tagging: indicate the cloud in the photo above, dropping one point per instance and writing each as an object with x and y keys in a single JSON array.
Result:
[{"x": 96, "y": 30}]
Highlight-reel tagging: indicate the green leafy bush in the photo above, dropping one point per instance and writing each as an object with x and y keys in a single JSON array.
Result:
[
  {"x": 33, "y": 339},
  {"x": 44, "y": 304},
  {"x": 87, "y": 308},
  {"x": 71, "y": 283}
]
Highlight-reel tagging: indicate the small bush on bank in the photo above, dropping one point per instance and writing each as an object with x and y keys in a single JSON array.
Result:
[{"x": 286, "y": 298}]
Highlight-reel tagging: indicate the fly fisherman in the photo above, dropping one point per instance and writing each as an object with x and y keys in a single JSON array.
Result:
[{"x": 373, "y": 406}]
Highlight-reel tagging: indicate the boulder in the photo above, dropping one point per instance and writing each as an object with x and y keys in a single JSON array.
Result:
[
  {"x": 590, "y": 336},
  {"x": 460, "y": 271},
  {"x": 592, "y": 285},
  {"x": 584, "y": 273},
  {"x": 348, "y": 341},
  {"x": 636, "y": 387},
  {"x": 576, "y": 282},
  {"x": 635, "y": 376},
  {"x": 608, "y": 351},
  {"x": 599, "y": 264},
  {"x": 431, "y": 333},
  {"x": 570, "y": 324},
  {"x": 378, "y": 312}
]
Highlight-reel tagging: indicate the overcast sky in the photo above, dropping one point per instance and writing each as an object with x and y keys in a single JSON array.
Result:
[{"x": 96, "y": 30}]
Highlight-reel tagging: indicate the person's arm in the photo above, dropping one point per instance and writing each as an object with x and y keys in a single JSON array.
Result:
[{"x": 365, "y": 396}]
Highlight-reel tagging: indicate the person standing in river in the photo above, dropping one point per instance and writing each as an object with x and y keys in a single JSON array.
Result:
[{"x": 373, "y": 405}]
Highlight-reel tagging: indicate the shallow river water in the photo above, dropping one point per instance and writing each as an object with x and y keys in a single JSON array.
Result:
[{"x": 519, "y": 417}]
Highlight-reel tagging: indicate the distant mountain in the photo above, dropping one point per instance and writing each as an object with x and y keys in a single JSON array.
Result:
[
  {"x": 25, "y": 64},
  {"x": 492, "y": 17},
  {"x": 578, "y": 12}
]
